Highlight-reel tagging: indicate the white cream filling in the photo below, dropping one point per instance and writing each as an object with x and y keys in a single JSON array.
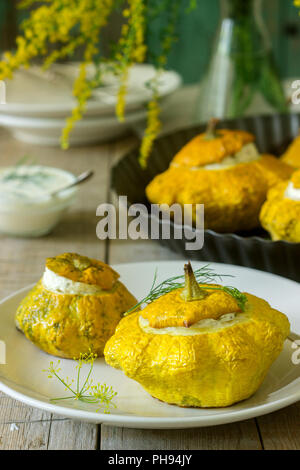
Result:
[
  {"x": 207, "y": 325},
  {"x": 292, "y": 193},
  {"x": 61, "y": 285},
  {"x": 247, "y": 154}
]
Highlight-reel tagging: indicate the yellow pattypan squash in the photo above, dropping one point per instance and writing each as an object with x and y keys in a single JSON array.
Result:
[
  {"x": 195, "y": 347},
  {"x": 75, "y": 307}
]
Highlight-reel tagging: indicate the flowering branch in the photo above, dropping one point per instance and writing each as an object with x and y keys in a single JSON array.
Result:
[{"x": 66, "y": 25}]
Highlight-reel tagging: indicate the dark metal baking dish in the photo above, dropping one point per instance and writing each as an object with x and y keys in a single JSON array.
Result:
[{"x": 251, "y": 249}]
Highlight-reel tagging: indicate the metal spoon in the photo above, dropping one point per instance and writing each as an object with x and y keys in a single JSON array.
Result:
[{"x": 80, "y": 179}]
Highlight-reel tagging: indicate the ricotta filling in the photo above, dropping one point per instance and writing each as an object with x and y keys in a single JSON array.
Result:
[
  {"x": 62, "y": 285},
  {"x": 247, "y": 154},
  {"x": 292, "y": 193},
  {"x": 207, "y": 325}
]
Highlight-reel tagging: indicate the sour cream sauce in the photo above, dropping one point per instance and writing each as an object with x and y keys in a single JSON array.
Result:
[
  {"x": 31, "y": 184},
  {"x": 27, "y": 207}
]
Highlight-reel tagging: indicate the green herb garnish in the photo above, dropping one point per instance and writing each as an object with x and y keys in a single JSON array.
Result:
[
  {"x": 16, "y": 174},
  {"x": 84, "y": 389},
  {"x": 203, "y": 275}
]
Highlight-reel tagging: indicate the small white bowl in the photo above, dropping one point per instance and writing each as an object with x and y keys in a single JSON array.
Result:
[{"x": 21, "y": 217}]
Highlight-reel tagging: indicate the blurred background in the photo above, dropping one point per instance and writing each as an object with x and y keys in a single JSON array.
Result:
[
  {"x": 198, "y": 29},
  {"x": 233, "y": 57}
]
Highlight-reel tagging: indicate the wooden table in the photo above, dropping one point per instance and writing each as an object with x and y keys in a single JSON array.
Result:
[{"x": 22, "y": 261}]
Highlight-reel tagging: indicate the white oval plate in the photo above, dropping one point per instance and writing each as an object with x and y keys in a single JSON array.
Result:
[{"x": 23, "y": 378}]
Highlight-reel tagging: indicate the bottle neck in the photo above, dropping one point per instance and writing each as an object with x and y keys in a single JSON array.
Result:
[
  {"x": 241, "y": 9},
  {"x": 242, "y": 22}
]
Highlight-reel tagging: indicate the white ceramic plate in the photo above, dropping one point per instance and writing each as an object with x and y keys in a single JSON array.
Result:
[
  {"x": 89, "y": 130},
  {"x": 23, "y": 378},
  {"x": 32, "y": 93}
]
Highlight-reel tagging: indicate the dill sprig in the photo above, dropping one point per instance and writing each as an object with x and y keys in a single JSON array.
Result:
[
  {"x": 204, "y": 275},
  {"x": 17, "y": 174},
  {"x": 83, "y": 389},
  {"x": 14, "y": 172}
]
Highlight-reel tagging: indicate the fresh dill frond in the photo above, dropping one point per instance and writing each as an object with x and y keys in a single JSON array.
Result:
[
  {"x": 240, "y": 298},
  {"x": 83, "y": 389},
  {"x": 14, "y": 172},
  {"x": 204, "y": 275},
  {"x": 17, "y": 174}
]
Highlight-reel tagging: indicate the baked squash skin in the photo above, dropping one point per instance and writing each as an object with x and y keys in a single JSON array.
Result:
[
  {"x": 67, "y": 325},
  {"x": 202, "y": 151},
  {"x": 80, "y": 268},
  {"x": 292, "y": 155},
  {"x": 279, "y": 215},
  {"x": 232, "y": 197},
  {"x": 212, "y": 369}
]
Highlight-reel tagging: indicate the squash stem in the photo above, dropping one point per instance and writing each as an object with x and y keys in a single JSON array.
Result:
[
  {"x": 192, "y": 290},
  {"x": 210, "y": 132}
]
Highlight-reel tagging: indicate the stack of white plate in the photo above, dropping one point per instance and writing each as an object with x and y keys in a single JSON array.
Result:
[{"x": 38, "y": 103}]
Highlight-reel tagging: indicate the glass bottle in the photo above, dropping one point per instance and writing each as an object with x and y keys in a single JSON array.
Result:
[{"x": 241, "y": 78}]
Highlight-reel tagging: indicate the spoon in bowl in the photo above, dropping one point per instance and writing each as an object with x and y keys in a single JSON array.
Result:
[{"x": 79, "y": 179}]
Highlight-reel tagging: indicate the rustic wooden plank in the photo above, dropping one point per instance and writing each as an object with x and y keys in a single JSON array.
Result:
[
  {"x": 22, "y": 427},
  {"x": 19, "y": 413},
  {"x": 70, "y": 435},
  {"x": 237, "y": 436},
  {"x": 281, "y": 430},
  {"x": 27, "y": 436},
  {"x": 22, "y": 261}
]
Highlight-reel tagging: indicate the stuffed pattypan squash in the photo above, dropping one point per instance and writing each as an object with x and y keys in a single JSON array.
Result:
[
  {"x": 75, "y": 307},
  {"x": 223, "y": 170},
  {"x": 292, "y": 155},
  {"x": 280, "y": 214},
  {"x": 197, "y": 347}
]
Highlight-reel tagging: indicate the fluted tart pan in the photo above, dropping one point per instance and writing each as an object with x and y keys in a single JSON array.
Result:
[{"x": 252, "y": 249}]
